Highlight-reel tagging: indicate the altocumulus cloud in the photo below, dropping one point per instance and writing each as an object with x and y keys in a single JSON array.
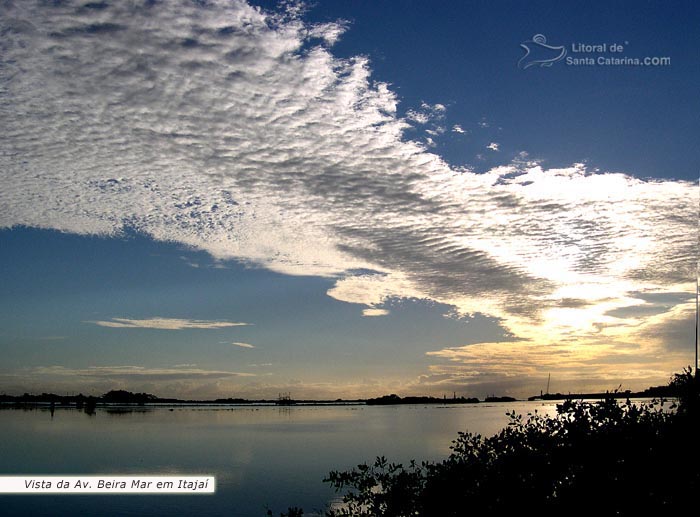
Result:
[
  {"x": 165, "y": 324},
  {"x": 238, "y": 132}
]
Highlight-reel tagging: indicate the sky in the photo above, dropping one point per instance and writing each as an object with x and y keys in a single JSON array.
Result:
[{"x": 209, "y": 199}]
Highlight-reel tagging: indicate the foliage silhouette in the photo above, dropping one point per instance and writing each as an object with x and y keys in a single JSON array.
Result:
[{"x": 606, "y": 457}]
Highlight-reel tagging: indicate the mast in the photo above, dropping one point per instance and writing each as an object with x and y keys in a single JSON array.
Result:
[
  {"x": 697, "y": 289},
  {"x": 549, "y": 376},
  {"x": 697, "y": 306}
]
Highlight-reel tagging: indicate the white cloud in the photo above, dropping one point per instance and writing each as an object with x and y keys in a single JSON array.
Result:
[
  {"x": 417, "y": 116},
  {"x": 166, "y": 324},
  {"x": 135, "y": 372},
  {"x": 458, "y": 129},
  {"x": 426, "y": 113},
  {"x": 227, "y": 130},
  {"x": 375, "y": 312},
  {"x": 243, "y": 345},
  {"x": 329, "y": 32},
  {"x": 493, "y": 146}
]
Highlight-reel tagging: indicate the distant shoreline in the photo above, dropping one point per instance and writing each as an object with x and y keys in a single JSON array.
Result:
[
  {"x": 653, "y": 392},
  {"x": 125, "y": 398}
]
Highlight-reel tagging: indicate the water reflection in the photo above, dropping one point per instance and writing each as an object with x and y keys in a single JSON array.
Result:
[
  {"x": 116, "y": 411},
  {"x": 265, "y": 455}
]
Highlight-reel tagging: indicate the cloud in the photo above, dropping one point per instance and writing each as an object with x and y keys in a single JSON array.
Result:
[
  {"x": 329, "y": 32},
  {"x": 426, "y": 113},
  {"x": 166, "y": 324},
  {"x": 185, "y": 380},
  {"x": 243, "y": 345},
  {"x": 238, "y": 132},
  {"x": 136, "y": 373},
  {"x": 458, "y": 129},
  {"x": 188, "y": 382},
  {"x": 375, "y": 312},
  {"x": 439, "y": 130},
  {"x": 493, "y": 146},
  {"x": 417, "y": 116}
]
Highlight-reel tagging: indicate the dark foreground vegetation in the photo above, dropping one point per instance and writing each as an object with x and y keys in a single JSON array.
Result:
[{"x": 604, "y": 458}]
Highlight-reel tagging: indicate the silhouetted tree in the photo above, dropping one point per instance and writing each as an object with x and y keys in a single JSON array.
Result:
[{"x": 127, "y": 397}]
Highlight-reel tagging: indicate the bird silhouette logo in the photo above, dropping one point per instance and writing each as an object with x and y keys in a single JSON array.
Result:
[{"x": 538, "y": 53}]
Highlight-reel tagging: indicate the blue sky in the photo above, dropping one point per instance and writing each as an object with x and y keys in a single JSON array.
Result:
[
  {"x": 462, "y": 54},
  {"x": 345, "y": 199}
]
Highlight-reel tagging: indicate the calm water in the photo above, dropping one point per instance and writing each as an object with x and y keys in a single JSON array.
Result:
[{"x": 261, "y": 456}]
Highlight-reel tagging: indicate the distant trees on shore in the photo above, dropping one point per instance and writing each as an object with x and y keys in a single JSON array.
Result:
[
  {"x": 395, "y": 399},
  {"x": 111, "y": 397}
]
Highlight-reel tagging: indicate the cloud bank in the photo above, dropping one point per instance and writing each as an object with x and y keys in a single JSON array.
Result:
[
  {"x": 165, "y": 324},
  {"x": 238, "y": 132}
]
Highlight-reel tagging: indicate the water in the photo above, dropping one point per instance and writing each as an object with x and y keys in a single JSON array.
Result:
[{"x": 261, "y": 456}]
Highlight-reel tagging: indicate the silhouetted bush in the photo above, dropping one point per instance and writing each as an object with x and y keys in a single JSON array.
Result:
[{"x": 607, "y": 458}]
